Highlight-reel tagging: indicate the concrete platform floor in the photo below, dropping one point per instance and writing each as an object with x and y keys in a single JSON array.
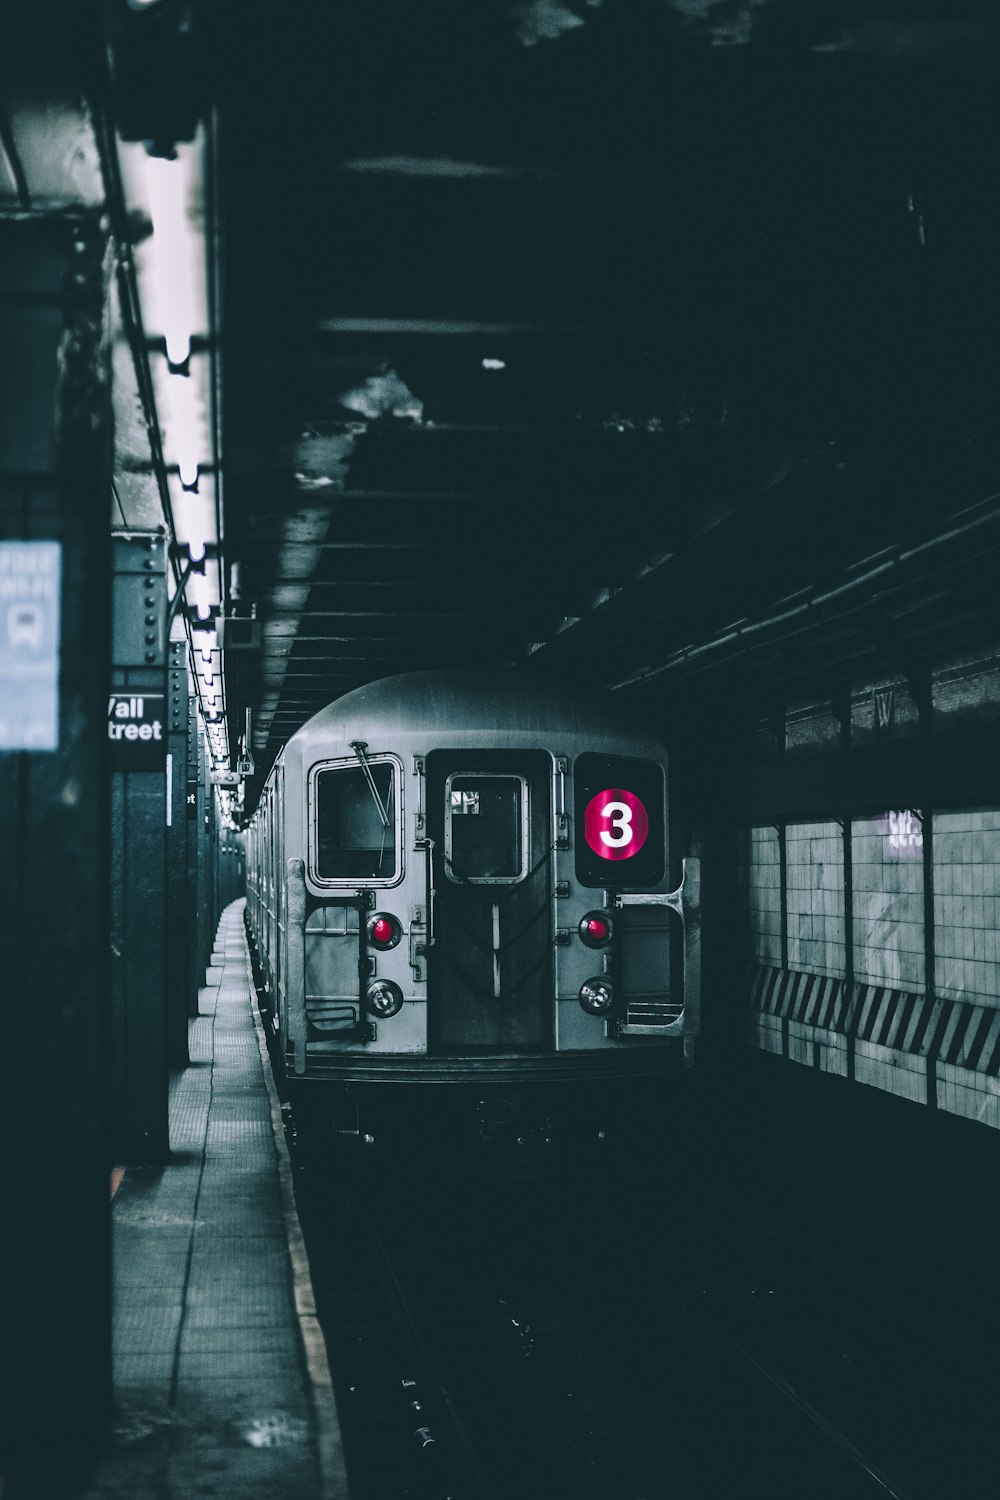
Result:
[{"x": 222, "y": 1386}]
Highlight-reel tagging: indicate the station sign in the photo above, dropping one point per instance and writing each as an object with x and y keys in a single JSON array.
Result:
[
  {"x": 137, "y": 731},
  {"x": 29, "y": 645}
]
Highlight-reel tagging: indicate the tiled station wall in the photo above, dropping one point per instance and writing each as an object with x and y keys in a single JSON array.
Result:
[{"x": 845, "y": 976}]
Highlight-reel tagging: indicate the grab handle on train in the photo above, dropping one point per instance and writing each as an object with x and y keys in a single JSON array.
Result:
[
  {"x": 427, "y": 845},
  {"x": 295, "y": 992},
  {"x": 686, "y": 902}
]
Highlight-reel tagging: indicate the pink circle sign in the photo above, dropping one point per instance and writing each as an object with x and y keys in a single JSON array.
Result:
[{"x": 615, "y": 823}]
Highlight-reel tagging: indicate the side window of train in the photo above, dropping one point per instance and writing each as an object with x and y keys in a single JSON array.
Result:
[
  {"x": 356, "y": 823},
  {"x": 619, "y": 820},
  {"x": 486, "y": 831}
]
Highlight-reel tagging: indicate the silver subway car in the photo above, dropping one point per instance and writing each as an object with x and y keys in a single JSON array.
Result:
[{"x": 465, "y": 878}]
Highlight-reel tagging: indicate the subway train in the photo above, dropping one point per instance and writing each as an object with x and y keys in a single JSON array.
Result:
[{"x": 470, "y": 879}]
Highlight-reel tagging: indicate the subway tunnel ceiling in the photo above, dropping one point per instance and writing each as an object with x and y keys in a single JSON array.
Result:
[{"x": 583, "y": 338}]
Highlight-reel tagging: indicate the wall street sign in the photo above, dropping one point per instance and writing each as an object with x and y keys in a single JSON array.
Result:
[{"x": 136, "y": 730}]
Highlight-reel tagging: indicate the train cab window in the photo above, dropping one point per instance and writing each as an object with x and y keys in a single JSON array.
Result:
[
  {"x": 620, "y": 821},
  {"x": 356, "y": 830},
  {"x": 486, "y": 828}
]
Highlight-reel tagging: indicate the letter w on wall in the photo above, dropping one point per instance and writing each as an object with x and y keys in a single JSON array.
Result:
[{"x": 883, "y": 704}]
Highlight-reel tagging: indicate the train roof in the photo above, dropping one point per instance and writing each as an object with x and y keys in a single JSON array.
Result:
[{"x": 455, "y": 703}]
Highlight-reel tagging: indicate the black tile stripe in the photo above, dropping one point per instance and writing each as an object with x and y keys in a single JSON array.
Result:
[
  {"x": 916, "y": 1046},
  {"x": 833, "y": 1018},
  {"x": 799, "y": 990},
  {"x": 965, "y": 1015},
  {"x": 893, "y": 998},
  {"x": 846, "y": 1019},
  {"x": 814, "y": 1002},
  {"x": 876, "y": 1014},
  {"x": 947, "y": 1007},
  {"x": 784, "y": 995},
  {"x": 979, "y": 1040},
  {"x": 765, "y": 979},
  {"x": 870, "y": 1013},
  {"x": 761, "y": 982},
  {"x": 803, "y": 991},
  {"x": 757, "y": 978},
  {"x": 781, "y": 994},
  {"x": 817, "y": 994},
  {"x": 791, "y": 990},
  {"x": 903, "y": 1018},
  {"x": 771, "y": 989},
  {"x": 993, "y": 1065}
]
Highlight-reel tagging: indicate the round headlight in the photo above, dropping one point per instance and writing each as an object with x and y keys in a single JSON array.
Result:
[
  {"x": 595, "y": 929},
  {"x": 597, "y": 996},
  {"x": 384, "y": 932},
  {"x": 384, "y": 999}
]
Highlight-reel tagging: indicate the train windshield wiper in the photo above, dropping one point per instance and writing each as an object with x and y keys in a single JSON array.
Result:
[{"x": 359, "y": 747}]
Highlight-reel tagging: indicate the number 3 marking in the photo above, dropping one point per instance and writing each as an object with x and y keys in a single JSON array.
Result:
[
  {"x": 621, "y": 820},
  {"x": 615, "y": 823}
]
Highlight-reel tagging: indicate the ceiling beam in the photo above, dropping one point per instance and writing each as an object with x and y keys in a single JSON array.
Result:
[
  {"x": 396, "y": 614},
  {"x": 387, "y": 327}
]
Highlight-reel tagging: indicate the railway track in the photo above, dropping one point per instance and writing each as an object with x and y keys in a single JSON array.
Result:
[{"x": 528, "y": 1339}]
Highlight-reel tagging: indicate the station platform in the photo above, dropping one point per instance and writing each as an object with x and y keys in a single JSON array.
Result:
[{"x": 222, "y": 1386}]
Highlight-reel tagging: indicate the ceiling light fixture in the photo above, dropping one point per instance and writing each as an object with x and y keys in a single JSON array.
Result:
[
  {"x": 166, "y": 184},
  {"x": 184, "y": 429}
]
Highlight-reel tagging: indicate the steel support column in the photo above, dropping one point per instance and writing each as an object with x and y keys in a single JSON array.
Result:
[
  {"x": 193, "y": 819},
  {"x": 138, "y": 720},
  {"x": 178, "y": 996},
  {"x": 55, "y": 480}
]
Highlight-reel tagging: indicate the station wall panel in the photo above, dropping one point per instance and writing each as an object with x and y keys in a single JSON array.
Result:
[
  {"x": 888, "y": 906},
  {"x": 759, "y": 877},
  {"x": 966, "y": 689},
  {"x": 967, "y": 905},
  {"x": 814, "y": 879},
  {"x": 866, "y": 993}
]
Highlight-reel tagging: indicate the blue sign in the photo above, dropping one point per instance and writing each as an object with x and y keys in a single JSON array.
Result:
[{"x": 29, "y": 645}]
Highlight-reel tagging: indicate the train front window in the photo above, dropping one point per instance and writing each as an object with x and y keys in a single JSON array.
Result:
[
  {"x": 486, "y": 828},
  {"x": 356, "y": 834}
]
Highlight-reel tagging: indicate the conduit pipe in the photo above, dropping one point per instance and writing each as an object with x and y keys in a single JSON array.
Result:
[{"x": 811, "y": 608}]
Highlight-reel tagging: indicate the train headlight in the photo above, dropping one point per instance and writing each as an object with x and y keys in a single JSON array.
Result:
[
  {"x": 595, "y": 929},
  {"x": 597, "y": 996},
  {"x": 383, "y": 999},
  {"x": 384, "y": 932}
]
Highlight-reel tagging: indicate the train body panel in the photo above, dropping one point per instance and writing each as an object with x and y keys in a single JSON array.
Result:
[{"x": 454, "y": 876}]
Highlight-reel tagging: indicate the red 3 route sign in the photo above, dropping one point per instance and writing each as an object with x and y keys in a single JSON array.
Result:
[{"x": 615, "y": 823}]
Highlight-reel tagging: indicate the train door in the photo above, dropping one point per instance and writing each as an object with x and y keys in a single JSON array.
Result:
[
  {"x": 490, "y": 977},
  {"x": 280, "y": 913}
]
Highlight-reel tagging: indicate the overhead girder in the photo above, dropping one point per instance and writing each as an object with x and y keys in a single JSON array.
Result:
[{"x": 585, "y": 351}]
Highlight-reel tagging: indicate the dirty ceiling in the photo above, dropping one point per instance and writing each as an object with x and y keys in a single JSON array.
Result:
[{"x": 584, "y": 336}]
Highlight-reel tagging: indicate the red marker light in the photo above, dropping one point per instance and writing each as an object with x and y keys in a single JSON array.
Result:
[
  {"x": 383, "y": 930},
  {"x": 595, "y": 929}
]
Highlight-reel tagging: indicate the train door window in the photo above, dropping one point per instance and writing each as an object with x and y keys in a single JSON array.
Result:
[
  {"x": 357, "y": 823},
  {"x": 486, "y": 828}
]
